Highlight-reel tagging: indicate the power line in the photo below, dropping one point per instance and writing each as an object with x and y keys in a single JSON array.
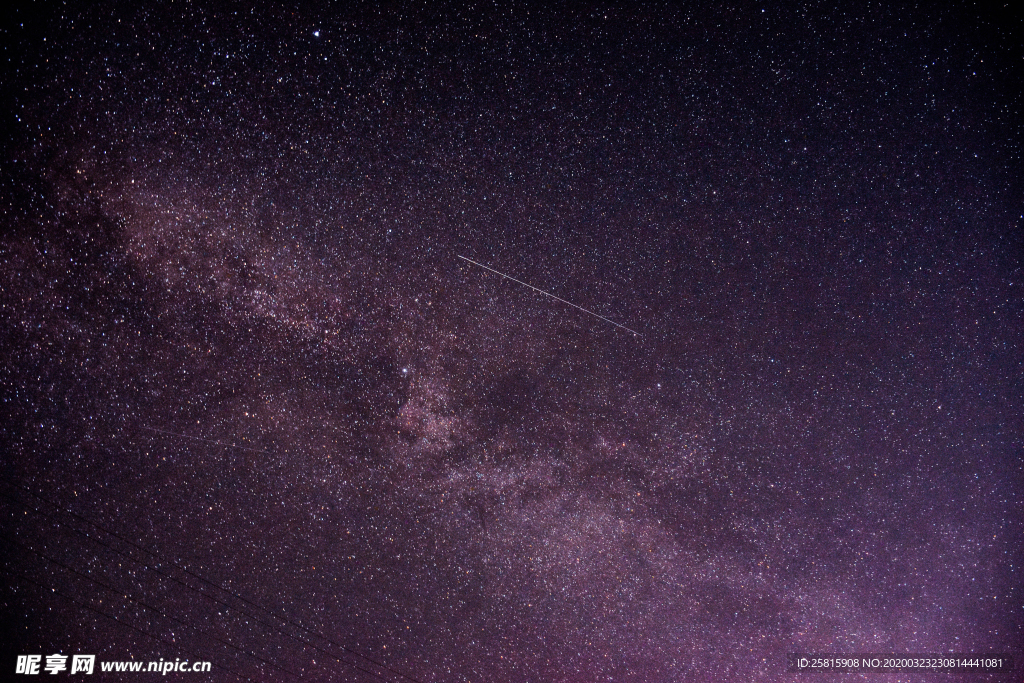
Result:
[
  {"x": 213, "y": 598},
  {"x": 285, "y": 619},
  {"x": 144, "y": 605},
  {"x": 156, "y": 570},
  {"x": 89, "y": 607},
  {"x": 225, "y": 590}
]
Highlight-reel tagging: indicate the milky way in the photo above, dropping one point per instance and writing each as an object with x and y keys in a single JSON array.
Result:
[{"x": 258, "y": 411}]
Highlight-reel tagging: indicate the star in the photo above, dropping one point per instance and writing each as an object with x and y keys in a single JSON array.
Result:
[{"x": 319, "y": 366}]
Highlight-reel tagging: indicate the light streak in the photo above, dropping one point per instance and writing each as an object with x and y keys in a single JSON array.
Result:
[
  {"x": 196, "y": 438},
  {"x": 509, "y": 277}
]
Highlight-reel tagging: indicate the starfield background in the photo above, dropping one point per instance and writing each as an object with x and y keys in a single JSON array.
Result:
[{"x": 257, "y": 411}]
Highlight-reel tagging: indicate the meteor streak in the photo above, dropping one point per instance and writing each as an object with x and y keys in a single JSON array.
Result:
[
  {"x": 509, "y": 277},
  {"x": 196, "y": 438}
]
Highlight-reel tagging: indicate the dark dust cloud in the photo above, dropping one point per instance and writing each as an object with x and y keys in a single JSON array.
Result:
[{"x": 256, "y": 410}]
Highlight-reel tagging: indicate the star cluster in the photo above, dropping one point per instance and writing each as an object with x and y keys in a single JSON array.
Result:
[{"x": 257, "y": 411}]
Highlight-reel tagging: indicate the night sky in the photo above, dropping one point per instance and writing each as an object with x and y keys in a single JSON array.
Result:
[{"x": 257, "y": 410}]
